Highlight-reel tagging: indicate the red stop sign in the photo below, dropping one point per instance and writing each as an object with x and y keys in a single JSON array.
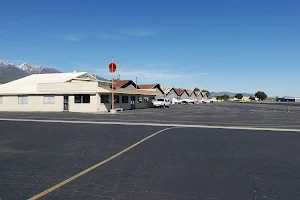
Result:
[{"x": 112, "y": 67}]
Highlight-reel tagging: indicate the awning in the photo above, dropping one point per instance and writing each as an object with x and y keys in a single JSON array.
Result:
[{"x": 131, "y": 91}]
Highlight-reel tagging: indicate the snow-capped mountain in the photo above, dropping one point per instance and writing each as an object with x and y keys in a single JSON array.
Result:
[
  {"x": 10, "y": 71},
  {"x": 30, "y": 69}
]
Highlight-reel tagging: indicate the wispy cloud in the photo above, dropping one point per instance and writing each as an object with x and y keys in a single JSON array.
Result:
[
  {"x": 72, "y": 37},
  {"x": 138, "y": 32},
  {"x": 167, "y": 78},
  {"x": 113, "y": 37}
]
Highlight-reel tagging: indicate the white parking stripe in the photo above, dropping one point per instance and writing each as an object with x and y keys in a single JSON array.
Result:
[{"x": 154, "y": 124}]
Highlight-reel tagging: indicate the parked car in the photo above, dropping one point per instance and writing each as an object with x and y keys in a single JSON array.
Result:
[{"x": 161, "y": 102}]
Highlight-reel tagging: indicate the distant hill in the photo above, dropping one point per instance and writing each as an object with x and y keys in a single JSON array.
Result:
[
  {"x": 10, "y": 72},
  {"x": 30, "y": 69},
  {"x": 231, "y": 94},
  {"x": 101, "y": 79}
]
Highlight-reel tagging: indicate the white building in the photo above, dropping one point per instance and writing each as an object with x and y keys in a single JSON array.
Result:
[
  {"x": 74, "y": 92},
  {"x": 152, "y": 87},
  {"x": 192, "y": 94},
  {"x": 170, "y": 93},
  {"x": 182, "y": 93}
]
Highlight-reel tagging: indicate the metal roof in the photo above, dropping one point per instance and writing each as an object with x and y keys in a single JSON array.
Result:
[{"x": 28, "y": 84}]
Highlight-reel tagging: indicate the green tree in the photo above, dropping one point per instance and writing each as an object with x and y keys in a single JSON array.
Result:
[
  {"x": 219, "y": 98},
  {"x": 261, "y": 95},
  {"x": 207, "y": 92},
  {"x": 252, "y": 98},
  {"x": 225, "y": 97},
  {"x": 196, "y": 89},
  {"x": 239, "y": 96}
]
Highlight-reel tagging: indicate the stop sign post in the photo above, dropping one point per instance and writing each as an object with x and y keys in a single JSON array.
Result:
[{"x": 112, "y": 68}]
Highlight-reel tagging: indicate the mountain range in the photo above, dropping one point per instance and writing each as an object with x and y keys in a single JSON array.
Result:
[
  {"x": 10, "y": 71},
  {"x": 231, "y": 94}
]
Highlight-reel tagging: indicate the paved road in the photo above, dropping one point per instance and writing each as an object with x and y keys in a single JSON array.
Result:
[
  {"x": 181, "y": 163},
  {"x": 227, "y": 114}
]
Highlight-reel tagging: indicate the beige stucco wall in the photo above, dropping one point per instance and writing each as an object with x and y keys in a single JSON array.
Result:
[
  {"x": 69, "y": 87},
  {"x": 35, "y": 103}
]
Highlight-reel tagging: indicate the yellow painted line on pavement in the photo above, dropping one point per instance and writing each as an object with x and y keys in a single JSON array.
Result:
[{"x": 95, "y": 166}]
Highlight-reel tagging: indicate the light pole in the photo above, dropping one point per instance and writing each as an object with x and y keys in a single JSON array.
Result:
[{"x": 136, "y": 82}]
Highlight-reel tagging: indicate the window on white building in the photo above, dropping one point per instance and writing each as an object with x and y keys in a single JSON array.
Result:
[
  {"x": 49, "y": 99},
  {"x": 140, "y": 99},
  {"x": 23, "y": 99},
  {"x": 82, "y": 98},
  {"x": 124, "y": 99},
  {"x": 1, "y": 99},
  {"x": 104, "y": 98}
]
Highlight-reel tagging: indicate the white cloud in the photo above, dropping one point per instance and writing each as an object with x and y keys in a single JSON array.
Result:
[
  {"x": 163, "y": 77},
  {"x": 113, "y": 37},
  {"x": 72, "y": 37},
  {"x": 138, "y": 32}
]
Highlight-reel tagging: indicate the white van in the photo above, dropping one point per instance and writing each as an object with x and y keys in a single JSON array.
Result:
[{"x": 161, "y": 102}]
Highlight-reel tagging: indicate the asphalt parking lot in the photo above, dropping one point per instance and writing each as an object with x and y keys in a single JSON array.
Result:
[{"x": 151, "y": 157}]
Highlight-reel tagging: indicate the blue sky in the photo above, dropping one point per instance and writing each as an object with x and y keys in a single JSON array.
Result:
[{"x": 224, "y": 45}]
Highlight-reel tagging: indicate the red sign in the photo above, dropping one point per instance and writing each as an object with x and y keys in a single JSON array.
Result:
[{"x": 112, "y": 67}]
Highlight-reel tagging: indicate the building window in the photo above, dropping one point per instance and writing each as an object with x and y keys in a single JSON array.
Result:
[
  {"x": 140, "y": 99},
  {"x": 82, "y": 98},
  {"x": 124, "y": 99},
  {"x": 1, "y": 99},
  {"x": 49, "y": 99},
  {"x": 146, "y": 99},
  {"x": 23, "y": 99},
  {"x": 104, "y": 98},
  {"x": 116, "y": 99}
]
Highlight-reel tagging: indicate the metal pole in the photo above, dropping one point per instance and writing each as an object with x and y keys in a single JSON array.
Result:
[
  {"x": 136, "y": 82},
  {"x": 112, "y": 89}
]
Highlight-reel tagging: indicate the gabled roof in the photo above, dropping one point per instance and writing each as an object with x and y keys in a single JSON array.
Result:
[
  {"x": 150, "y": 87},
  {"x": 190, "y": 92},
  {"x": 180, "y": 91},
  {"x": 197, "y": 93},
  {"x": 28, "y": 84},
  {"x": 120, "y": 83},
  {"x": 147, "y": 86},
  {"x": 166, "y": 89},
  {"x": 123, "y": 83}
]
